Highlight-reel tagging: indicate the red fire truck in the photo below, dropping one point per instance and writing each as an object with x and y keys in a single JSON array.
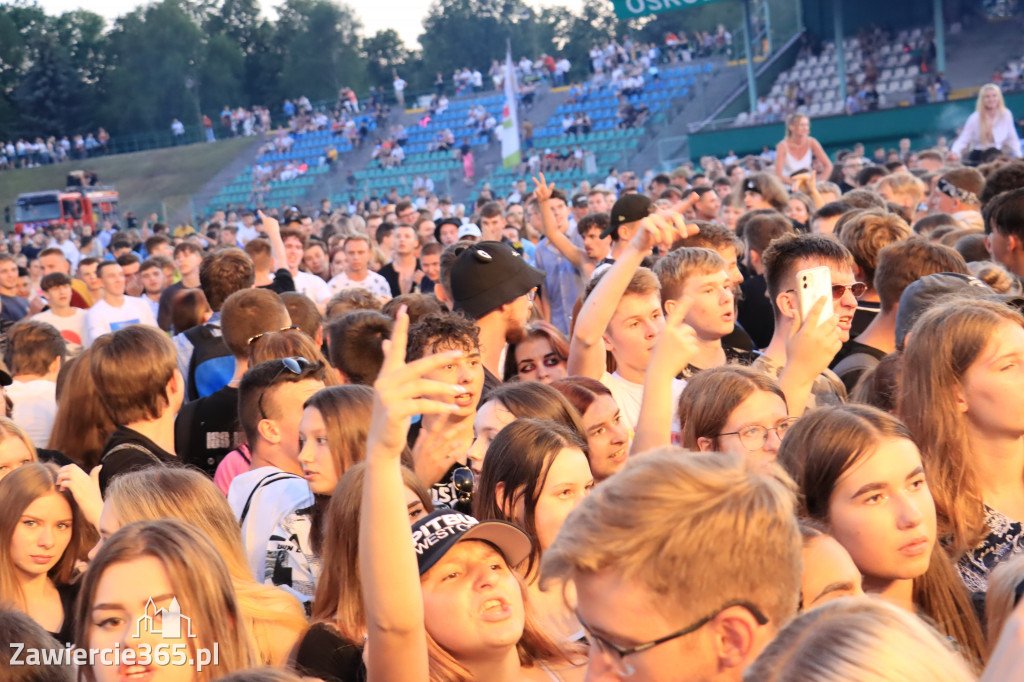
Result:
[{"x": 71, "y": 207}]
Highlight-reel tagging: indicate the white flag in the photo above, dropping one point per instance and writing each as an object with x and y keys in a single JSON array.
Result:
[{"x": 510, "y": 118}]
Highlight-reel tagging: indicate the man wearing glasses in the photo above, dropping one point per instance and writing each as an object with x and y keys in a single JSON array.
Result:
[
  {"x": 801, "y": 350},
  {"x": 270, "y": 399},
  {"x": 685, "y": 567}
]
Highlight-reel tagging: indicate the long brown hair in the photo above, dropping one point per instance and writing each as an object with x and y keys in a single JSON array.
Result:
[
  {"x": 710, "y": 398},
  {"x": 82, "y": 425},
  {"x": 519, "y": 458},
  {"x": 944, "y": 344},
  {"x": 339, "y": 595},
  {"x": 179, "y": 493},
  {"x": 534, "y": 400},
  {"x": 538, "y": 329},
  {"x": 18, "y": 490},
  {"x": 201, "y": 583},
  {"x": 824, "y": 445}
]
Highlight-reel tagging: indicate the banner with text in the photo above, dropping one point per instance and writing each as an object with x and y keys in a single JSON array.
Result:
[{"x": 631, "y": 9}]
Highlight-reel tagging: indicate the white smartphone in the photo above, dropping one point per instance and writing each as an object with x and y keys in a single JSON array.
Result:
[{"x": 812, "y": 284}]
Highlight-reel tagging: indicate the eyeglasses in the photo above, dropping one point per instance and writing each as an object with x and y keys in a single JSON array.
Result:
[
  {"x": 464, "y": 482},
  {"x": 616, "y": 655},
  {"x": 754, "y": 437},
  {"x": 254, "y": 339},
  {"x": 295, "y": 365},
  {"x": 839, "y": 290}
]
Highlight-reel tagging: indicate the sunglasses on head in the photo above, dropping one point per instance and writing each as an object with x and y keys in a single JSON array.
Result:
[
  {"x": 954, "y": 192},
  {"x": 295, "y": 365},
  {"x": 257, "y": 337}
]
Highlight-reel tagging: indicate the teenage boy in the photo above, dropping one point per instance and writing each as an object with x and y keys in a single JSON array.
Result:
[
  {"x": 865, "y": 235},
  {"x": 654, "y": 551},
  {"x": 701, "y": 278},
  {"x": 294, "y": 241},
  {"x": 958, "y": 192},
  {"x": 37, "y": 352},
  {"x": 270, "y": 398},
  {"x": 356, "y": 345},
  {"x": 801, "y": 349},
  {"x": 187, "y": 257},
  {"x": 136, "y": 376},
  {"x": 755, "y": 311},
  {"x": 622, "y": 314},
  {"x": 430, "y": 262},
  {"x": 708, "y": 204},
  {"x": 562, "y": 281},
  {"x": 68, "y": 320},
  {"x": 53, "y": 259},
  {"x": 357, "y": 271},
  {"x": 899, "y": 265},
  {"x": 401, "y": 272},
  {"x": 115, "y": 310},
  {"x": 151, "y": 274},
  {"x": 494, "y": 285},
  {"x": 441, "y": 444},
  {"x": 203, "y": 359},
  {"x": 1004, "y": 230},
  {"x": 591, "y": 229},
  {"x": 207, "y": 429},
  {"x": 12, "y": 306},
  {"x": 87, "y": 273}
]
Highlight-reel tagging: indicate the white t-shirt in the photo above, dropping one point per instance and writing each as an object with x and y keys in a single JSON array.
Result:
[
  {"x": 269, "y": 506},
  {"x": 312, "y": 287},
  {"x": 72, "y": 328},
  {"x": 628, "y": 396},
  {"x": 35, "y": 408},
  {"x": 103, "y": 318},
  {"x": 374, "y": 283}
]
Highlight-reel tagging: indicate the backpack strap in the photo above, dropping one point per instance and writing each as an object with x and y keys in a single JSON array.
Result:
[{"x": 266, "y": 480}]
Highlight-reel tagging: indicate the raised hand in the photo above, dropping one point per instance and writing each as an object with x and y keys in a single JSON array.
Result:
[
  {"x": 543, "y": 190},
  {"x": 85, "y": 488},
  {"x": 401, "y": 391},
  {"x": 661, "y": 229},
  {"x": 437, "y": 449},
  {"x": 270, "y": 224},
  {"x": 677, "y": 343}
]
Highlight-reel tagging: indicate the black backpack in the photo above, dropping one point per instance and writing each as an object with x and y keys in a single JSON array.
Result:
[{"x": 212, "y": 364}]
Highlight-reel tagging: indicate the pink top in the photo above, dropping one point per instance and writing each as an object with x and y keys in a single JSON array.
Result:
[{"x": 234, "y": 463}]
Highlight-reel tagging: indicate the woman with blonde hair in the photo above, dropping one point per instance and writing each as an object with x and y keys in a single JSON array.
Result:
[
  {"x": 962, "y": 369},
  {"x": 798, "y": 151},
  {"x": 16, "y": 448},
  {"x": 858, "y": 471},
  {"x": 273, "y": 617},
  {"x": 161, "y": 565},
  {"x": 990, "y": 126},
  {"x": 331, "y": 648},
  {"x": 858, "y": 639},
  {"x": 41, "y": 539}
]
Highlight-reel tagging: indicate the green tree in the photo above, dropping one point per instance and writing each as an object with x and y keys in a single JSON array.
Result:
[
  {"x": 222, "y": 78},
  {"x": 321, "y": 53},
  {"x": 384, "y": 52},
  {"x": 48, "y": 97}
]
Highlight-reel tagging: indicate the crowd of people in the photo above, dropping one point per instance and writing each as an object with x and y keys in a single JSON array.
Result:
[
  {"x": 548, "y": 436},
  {"x": 28, "y": 153}
]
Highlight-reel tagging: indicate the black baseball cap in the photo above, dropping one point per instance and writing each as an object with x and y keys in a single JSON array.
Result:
[
  {"x": 629, "y": 208},
  {"x": 437, "y": 532},
  {"x": 487, "y": 275}
]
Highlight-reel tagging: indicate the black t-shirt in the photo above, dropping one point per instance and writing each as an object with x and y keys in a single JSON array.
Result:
[
  {"x": 733, "y": 356},
  {"x": 68, "y": 594},
  {"x": 851, "y": 375},
  {"x": 864, "y": 315},
  {"x": 389, "y": 273},
  {"x": 206, "y": 430},
  {"x": 755, "y": 310},
  {"x": 325, "y": 654},
  {"x": 128, "y": 450}
]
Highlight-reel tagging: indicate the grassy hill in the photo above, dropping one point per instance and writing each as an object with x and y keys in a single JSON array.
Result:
[{"x": 159, "y": 180}]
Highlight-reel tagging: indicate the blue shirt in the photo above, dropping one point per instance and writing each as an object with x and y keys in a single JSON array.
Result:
[{"x": 562, "y": 283}]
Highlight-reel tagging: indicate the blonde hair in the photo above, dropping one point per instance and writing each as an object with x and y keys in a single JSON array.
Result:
[
  {"x": 1001, "y": 596},
  {"x": 905, "y": 185},
  {"x": 984, "y": 125},
  {"x": 187, "y": 495},
  {"x": 791, "y": 122},
  {"x": 8, "y": 429},
  {"x": 676, "y": 522},
  {"x": 679, "y": 265},
  {"x": 943, "y": 345},
  {"x": 858, "y": 639},
  {"x": 199, "y": 579}
]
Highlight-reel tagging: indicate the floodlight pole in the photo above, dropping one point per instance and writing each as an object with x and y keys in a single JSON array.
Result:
[
  {"x": 748, "y": 38},
  {"x": 837, "y": 17},
  {"x": 940, "y": 37}
]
